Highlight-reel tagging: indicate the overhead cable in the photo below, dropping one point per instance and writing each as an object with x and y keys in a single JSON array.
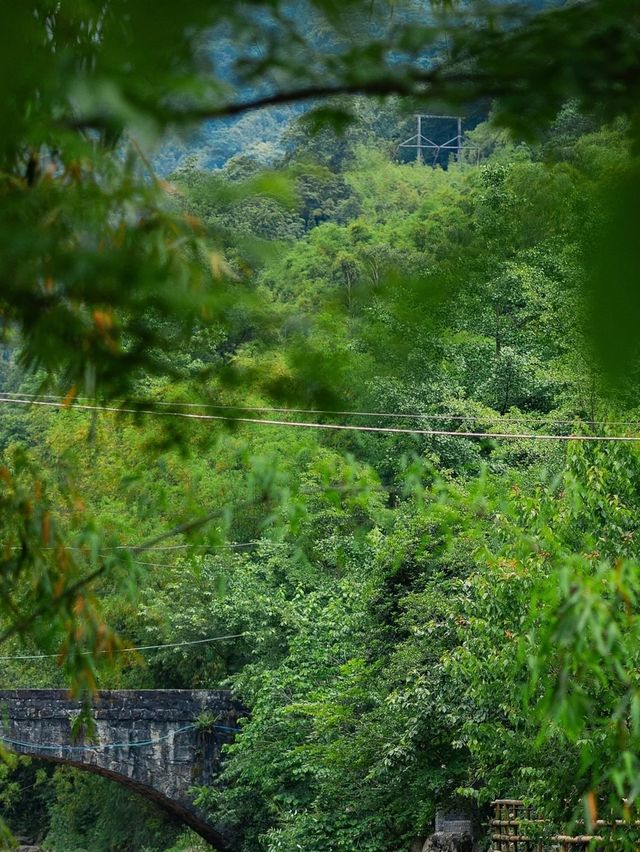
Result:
[
  {"x": 108, "y": 746},
  {"x": 231, "y": 545},
  {"x": 69, "y": 747},
  {"x": 418, "y": 415},
  {"x": 342, "y": 427},
  {"x": 130, "y": 650}
]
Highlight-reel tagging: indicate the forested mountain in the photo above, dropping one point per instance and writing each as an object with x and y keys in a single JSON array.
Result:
[{"x": 264, "y": 134}]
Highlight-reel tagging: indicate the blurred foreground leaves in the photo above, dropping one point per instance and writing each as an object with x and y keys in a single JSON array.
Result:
[{"x": 96, "y": 273}]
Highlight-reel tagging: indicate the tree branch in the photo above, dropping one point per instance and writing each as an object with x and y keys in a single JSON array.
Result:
[
  {"x": 413, "y": 85},
  {"x": 68, "y": 593}
]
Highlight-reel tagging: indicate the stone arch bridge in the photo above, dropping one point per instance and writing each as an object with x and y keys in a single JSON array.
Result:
[{"x": 152, "y": 741}]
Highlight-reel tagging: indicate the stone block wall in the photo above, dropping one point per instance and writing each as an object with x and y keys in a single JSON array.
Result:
[{"x": 146, "y": 739}]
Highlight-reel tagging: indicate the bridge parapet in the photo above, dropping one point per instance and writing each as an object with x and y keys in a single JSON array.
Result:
[{"x": 149, "y": 740}]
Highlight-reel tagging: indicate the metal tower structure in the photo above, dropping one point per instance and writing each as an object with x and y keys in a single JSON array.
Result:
[{"x": 423, "y": 143}]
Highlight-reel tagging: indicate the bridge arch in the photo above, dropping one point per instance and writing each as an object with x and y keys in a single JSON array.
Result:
[{"x": 148, "y": 740}]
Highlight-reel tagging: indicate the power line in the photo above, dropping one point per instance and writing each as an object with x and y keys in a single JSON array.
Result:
[
  {"x": 231, "y": 545},
  {"x": 418, "y": 415},
  {"x": 109, "y": 746},
  {"x": 394, "y": 430},
  {"x": 155, "y": 564},
  {"x": 129, "y": 650},
  {"x": 70, "y": 591},
  {"x": 61, "y": 746}
]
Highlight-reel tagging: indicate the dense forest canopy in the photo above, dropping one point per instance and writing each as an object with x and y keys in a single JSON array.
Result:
[{"x": 264, "y": 377}]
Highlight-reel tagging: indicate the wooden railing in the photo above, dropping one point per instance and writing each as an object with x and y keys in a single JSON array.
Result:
[{"x": 515, "y": 828}]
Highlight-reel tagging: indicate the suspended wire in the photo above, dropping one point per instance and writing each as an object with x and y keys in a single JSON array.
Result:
[
  {"x": 154, "y": 564},
  {"x": 129, "y": 650},
  {"x": 297, "y": 424},
  {"x": 231, "y": 545},
  {"x": 65, "y": 746},
  {"x": 109, "y": 746},
  {"x": 421, "y": 415}
]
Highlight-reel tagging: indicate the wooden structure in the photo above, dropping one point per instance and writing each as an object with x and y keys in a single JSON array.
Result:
[{"x": 515, "y": 828}]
